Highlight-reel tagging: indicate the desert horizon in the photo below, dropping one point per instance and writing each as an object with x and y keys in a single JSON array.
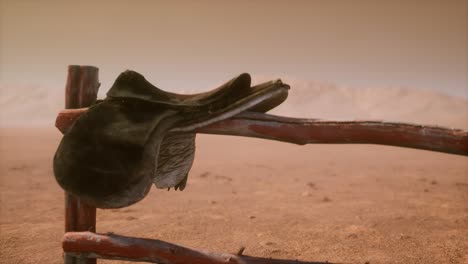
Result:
[{"x": 38, "y": 105}]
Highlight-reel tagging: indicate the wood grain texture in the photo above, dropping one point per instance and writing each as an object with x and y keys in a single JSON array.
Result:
[
  {"x": 80, "y": 91},
  {"x": 312, "y": 131},
  {"x": 88, "y": 244}
]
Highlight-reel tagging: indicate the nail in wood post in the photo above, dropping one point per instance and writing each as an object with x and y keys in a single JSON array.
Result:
[{"x": 80, "y": 91}]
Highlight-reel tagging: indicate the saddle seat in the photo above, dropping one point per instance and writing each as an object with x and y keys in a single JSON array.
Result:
[
  {"x": 231, "y": 95},
  {"x": 140, "y": 135}
]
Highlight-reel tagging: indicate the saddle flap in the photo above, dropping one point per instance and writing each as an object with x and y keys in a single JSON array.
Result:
[{"x": 140, "y": 135}]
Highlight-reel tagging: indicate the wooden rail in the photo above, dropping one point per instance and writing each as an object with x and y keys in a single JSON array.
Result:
[
  {"x": 307, "y": 131},
  {"x": 87, "y": 244}
]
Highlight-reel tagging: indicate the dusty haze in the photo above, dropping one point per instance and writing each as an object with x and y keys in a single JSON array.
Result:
[
  {"x": 360, "y": 59},
  {"x": 193, "y": 44},
  {"x": 363, "y": 59},
  {"x": 34, "y": 105}
]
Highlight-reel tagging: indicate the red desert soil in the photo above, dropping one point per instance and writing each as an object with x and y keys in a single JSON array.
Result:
[{"x": 341, "y": 203}]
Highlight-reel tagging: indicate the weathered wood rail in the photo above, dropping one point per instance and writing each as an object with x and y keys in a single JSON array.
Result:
[
  {"x": 88, "y": 244},
  {"x": 309, "y": 131}
]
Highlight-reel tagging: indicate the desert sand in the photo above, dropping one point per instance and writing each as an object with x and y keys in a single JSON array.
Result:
[{"x": 337, "y": 203}]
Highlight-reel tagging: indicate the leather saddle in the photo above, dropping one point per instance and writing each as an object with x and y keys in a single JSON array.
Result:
[{"x": 140, "y": 135}]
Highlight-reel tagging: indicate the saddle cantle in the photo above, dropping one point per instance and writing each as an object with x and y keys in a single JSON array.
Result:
[{"x": 139, "y": 135}]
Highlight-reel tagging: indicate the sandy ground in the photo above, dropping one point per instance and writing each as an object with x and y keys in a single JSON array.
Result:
[{"x": 336, "y": 203}]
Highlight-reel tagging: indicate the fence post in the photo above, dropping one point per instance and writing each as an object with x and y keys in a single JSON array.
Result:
[{"x": 80, "y": 91}]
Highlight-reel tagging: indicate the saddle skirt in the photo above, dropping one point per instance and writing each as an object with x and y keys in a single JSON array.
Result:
[{"x": 140, "y": 135}]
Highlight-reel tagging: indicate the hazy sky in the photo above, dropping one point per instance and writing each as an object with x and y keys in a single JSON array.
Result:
[{"x": 196, "y": 44}]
